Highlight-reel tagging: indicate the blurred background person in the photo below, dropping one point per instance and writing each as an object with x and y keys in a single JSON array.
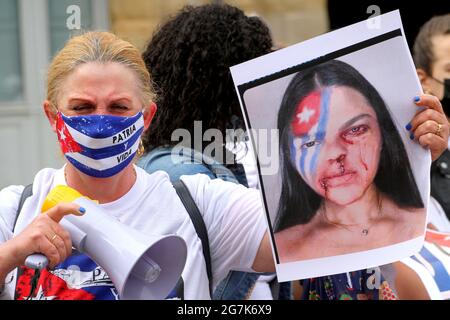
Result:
[
  {"x": 425, "y": 275},
  {"x": 432, "y": 59}
]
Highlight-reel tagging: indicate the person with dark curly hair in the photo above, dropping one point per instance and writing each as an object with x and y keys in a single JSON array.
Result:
[{"x": 189, "y": 58}]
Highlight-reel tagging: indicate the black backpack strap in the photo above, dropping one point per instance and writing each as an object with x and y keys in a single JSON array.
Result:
[
  {"x": 27, "y": 192},
  {"x": 198, "y": 222}
]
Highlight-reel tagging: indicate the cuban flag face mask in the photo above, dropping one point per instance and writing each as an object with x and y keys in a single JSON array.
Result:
[{"x": 99, "y": 145}]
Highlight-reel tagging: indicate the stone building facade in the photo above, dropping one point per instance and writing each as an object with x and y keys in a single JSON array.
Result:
[{"x": 291, "y": 21}]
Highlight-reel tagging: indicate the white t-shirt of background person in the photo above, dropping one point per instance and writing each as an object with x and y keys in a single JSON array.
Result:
[
  {"x": 244, "y": 156},
  {"x": 233, "y": 216},
  {"x": 437, "y": 217}
]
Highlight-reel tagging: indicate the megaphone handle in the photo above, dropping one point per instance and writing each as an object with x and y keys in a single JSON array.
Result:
[
  {"x": 36, "y": 261},
  {"x": 39, "y": 261}
]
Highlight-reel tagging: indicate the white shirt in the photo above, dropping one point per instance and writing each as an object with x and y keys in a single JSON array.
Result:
[
  {"x": 232, "y": 214},
  {"x": 437, "y": 216},
  {"x": 244, "y": 155}
]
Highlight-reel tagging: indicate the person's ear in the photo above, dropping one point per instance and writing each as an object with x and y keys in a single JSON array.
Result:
[
  {"x": 149, "y": 113},
  {"x": 51, "y": 113},
  {"x": 424, "y": 80}
]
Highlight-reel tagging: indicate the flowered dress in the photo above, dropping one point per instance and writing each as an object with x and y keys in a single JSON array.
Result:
[{"x": 366, "y": 284}]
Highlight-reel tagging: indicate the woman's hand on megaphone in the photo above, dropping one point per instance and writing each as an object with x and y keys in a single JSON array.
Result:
[{"x": 45, "y": 235}]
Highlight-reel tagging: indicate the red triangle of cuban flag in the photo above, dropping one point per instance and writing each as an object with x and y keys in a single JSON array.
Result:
[
  {"x": 306, "y": 115},
  {"x": 49, "y": 287},
  {"x": 66, "y": 141}
]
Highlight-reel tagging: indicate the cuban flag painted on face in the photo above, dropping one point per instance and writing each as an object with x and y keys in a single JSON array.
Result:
[
  {"x": 308, "y": 127},
  {"x": 99, "y": 145},
  {"x": 306, "y": 114}
]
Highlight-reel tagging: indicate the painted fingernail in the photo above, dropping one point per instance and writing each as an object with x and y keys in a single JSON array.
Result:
[
  {"x": 416, "y": 99},
  {"x": 82, "y": 210},
  {"x": 408, "y": 126},
  {"x": 411, "y": 136}
]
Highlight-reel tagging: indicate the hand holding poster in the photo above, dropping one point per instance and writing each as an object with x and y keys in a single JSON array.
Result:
[{"x": 351, "y": 188}]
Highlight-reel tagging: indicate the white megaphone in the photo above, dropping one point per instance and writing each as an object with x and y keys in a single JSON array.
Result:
[{"x": 140, "y": 266}]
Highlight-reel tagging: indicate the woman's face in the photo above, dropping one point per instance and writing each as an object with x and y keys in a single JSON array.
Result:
[
  {"x": 100, "y": 88},
  {"x": 336, "y": 143}
]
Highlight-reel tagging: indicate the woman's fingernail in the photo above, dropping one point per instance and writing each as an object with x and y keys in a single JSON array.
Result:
[
  {"x": 411, "y": 136},
  {"x": 82, "y": 210},
  {"x": 408, "y": 126},
  {"x": 416, "y": 99}
]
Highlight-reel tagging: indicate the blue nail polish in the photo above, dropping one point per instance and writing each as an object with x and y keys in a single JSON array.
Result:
[
  {"x": 408, "y": 126},
  {"x": 411, "y": 136},
  {"x": 416, "y": 98},
  {"x": 82, "y": 210}
]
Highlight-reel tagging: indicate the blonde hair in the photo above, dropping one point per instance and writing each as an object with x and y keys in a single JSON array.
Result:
[{"x": 100, "y": 47}]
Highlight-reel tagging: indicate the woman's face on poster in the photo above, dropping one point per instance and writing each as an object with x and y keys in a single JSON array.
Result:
[{"x": 336, "y": 143}]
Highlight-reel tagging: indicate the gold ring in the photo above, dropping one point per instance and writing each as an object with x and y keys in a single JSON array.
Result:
[
  {"x": 53, "y": 238},
  {"x": 438, "y": 130}
]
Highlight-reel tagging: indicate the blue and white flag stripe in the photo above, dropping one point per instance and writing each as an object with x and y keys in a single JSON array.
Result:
[
  {"x": 306, "y": 158},
  {"x": 106, "y": 152},
  {"x": 437, "y": 261},
  {"x": 100, "y": 173},
  {"x": 108, "y": 137},
  {"x": 105, "y": 163},
  {"x": 321, "y": 129},
  {"x": 432, "y": 265}
]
